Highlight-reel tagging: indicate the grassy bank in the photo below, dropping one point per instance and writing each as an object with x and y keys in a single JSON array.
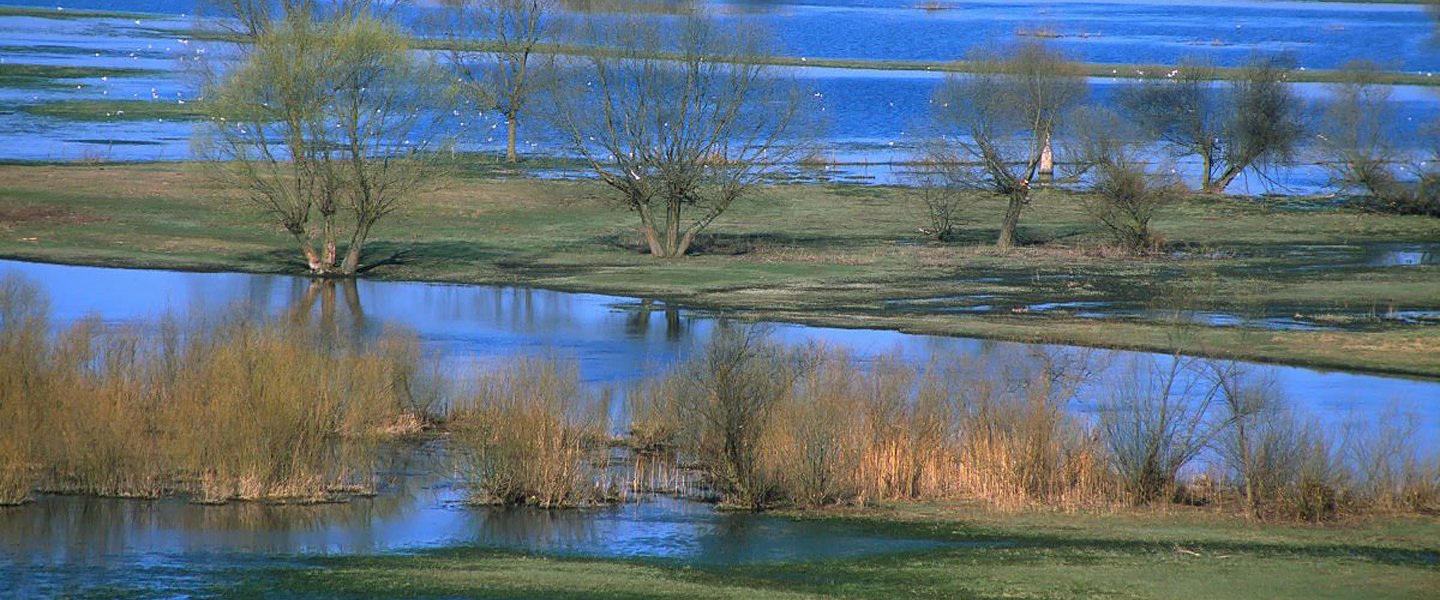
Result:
[
  {"x": 1028, "y": 555},
  {"x": 829, "y": 255}
]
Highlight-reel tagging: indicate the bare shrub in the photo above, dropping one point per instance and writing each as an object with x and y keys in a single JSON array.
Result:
[
  {"x": 1156, "y": 421},
  {"x": 1283, "y": 466},
  {"x": 940, "y": 196},
  {"x": 817, "y": 436},
  {"x": 725, "y": 402},
  {"x": 1127, "y": 191},
  {"x": 1389, "y": 473},
  {"x": 1358, "y": 130}
]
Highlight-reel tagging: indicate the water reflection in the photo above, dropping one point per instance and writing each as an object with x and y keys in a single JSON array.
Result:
[{"x": 613, "y": 339}]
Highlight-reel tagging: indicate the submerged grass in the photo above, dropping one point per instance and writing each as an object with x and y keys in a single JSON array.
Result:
[
  {"x": 16, "y": 75},
  {"x": 236, "y": 409},
  {"x": 116, "y": 110}
]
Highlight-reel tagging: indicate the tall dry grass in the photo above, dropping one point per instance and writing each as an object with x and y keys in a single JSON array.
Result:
[
  {"x": 768, "y": 426},
  {"x": 813, "y": 427},
  {"x": 231, "y": 409},
  {"x": 531, "y": 435}
]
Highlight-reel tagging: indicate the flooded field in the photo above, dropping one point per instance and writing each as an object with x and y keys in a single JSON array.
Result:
[{"x": 866, "y": 120}]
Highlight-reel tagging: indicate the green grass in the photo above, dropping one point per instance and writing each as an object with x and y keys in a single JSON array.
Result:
[
  {"x": 68, "y": 13},
  {"x": 116, "y": 110},
  {"x": 825, "y": 255},
  {"x": 1039, "y": 555},
  {"x": 14, "y": 75}
]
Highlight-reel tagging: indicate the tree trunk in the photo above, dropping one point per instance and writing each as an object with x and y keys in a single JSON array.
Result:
[
  {"x": 653, "y": 239},
  {"x": 328, "y": 240},
  {"x": 1206, "y": 163},
  {"x": 671, "y": 242},
  {"x": 684, "y": 245},
  {"x": 510, "y": 155},
  {"x": 312, "y": 258},
  {"x": 1047, "y": 159},
  {"x": 1011, "y": 222},
  {"x": 1218, "y": 186},
  {"x": 352, "y": 254}
]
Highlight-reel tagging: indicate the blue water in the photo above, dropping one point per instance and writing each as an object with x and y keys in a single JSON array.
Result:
[
  {"x": 73, "y": 545},
  {"x": 852, "y": 116},
  {"x": 1319, "y": 34}
]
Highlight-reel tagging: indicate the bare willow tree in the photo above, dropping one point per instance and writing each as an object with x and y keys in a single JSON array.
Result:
[
  {"x": 493, "y": 47},
  {"x": 681, "y": 122},
  {"x": 320, "y": 120},
  {"x": 1250, "y": 122},
  {"x": 999, "y": 124},
  {"x": 1359, "y": 129}
]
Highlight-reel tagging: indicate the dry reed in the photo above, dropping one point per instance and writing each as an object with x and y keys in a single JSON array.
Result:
[{"x": 232, "y": 409}]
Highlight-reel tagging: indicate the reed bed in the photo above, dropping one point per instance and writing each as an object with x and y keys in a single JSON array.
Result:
[
  {"x": 265, "y": 410},
  {"x": 763, "y": 426},
  {"x": 232, "y": 409},
  {"x": 530, "y": 435}
]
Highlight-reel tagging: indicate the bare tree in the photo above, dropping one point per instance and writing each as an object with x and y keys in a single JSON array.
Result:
[
  {"x": 1358, "y": 133},
  {"x": 493, "y": 50},
  {"x": 323, "y": 116},
  {"x": 682, "y": 123},
  {"x": 1248, "y": 123},
  {"x": 1000, "y": 123},
  {"x": 1354, "y": 130}
]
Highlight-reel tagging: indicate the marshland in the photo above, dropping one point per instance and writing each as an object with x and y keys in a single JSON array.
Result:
[{"x": 532, "y": 298}]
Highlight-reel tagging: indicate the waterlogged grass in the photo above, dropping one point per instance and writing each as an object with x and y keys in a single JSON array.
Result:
[
  {"x": 1024, "y": 555},
  {"x": 1107, "y": 70},
  {"x": 66, "y": 13},
  {"x": 1110, "y": 70},
  {"x": 845, "y": 256},
  {"x": 14, "y": 75},
  {"x": 116, "y": 110}
]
